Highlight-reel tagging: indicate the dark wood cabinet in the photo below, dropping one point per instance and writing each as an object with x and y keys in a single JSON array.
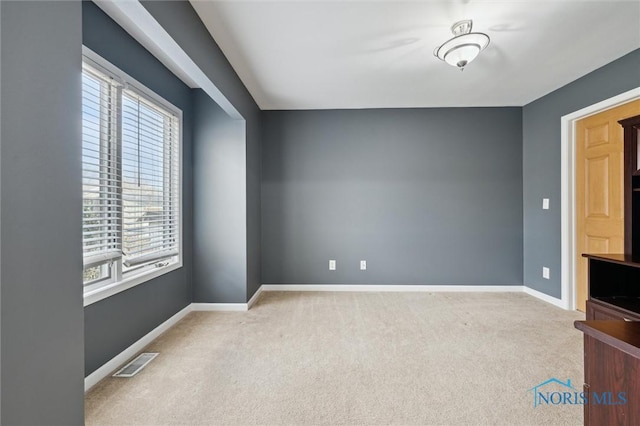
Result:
[
  {"x": 612, "y": 372},
  {"x": 613, "y": 287},
  {"x": 603, "y": 311},
  {"x": 631, "y": 128}
]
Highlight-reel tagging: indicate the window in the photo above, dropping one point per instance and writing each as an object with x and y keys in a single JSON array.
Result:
[{"x": 131, "y": 138}]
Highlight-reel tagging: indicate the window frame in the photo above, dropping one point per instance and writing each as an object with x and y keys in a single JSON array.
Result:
[{"x": 105, "y": 287}]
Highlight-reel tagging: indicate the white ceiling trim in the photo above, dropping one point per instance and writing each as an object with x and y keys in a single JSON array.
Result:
[{"x": 141, "y": 25}]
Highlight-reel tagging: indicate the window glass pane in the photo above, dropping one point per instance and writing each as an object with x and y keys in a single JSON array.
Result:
[
  {"x": 95, "y": 273},
  {"x": 149, "y": 224},
  {"x": 91, "y": 152},
  {"x": 100, "y": 180}
]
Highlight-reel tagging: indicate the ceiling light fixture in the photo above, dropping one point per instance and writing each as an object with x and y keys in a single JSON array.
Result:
[{"x": 463, "y": 47}]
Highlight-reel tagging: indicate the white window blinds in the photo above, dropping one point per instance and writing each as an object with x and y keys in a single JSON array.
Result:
[
  {"x": 101, "y": 205},
  {"x": 131, "y": 178},
  {"x": 149, "y": 181}
]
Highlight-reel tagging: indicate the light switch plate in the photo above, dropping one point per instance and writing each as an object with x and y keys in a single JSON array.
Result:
[
  {"x": 332, "y": 265},
  {"x": 545, "y": 204}
]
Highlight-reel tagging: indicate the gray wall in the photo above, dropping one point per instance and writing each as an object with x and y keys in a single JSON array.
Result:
[
  {"x": 220, "y": 263},
  {"x": 42, "y": 336},
  {"x": 541, "y": 163},
  {"x": 0, "y": 222},
  {"x": 113, "y": 324},
  {"x": 180, "y": 20},
  {"x": 426, "y": 196}
]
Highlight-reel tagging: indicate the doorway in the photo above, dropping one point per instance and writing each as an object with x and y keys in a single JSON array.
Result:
[
  {"x": 568, "y": 190},
  {"x": 599, "y": 196}
]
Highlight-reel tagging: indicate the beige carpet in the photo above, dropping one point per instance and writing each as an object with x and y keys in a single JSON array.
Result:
[{"x": 354, "y": 358}]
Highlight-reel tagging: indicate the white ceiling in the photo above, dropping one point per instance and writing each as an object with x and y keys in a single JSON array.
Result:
[{"x": 379, "y": 54}]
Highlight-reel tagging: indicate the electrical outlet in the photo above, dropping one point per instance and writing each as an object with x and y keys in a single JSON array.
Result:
[
  {"x": 545, "y": 272},
  {"x": 332, "y": 265},
  {"x": 363, "y": 265}
]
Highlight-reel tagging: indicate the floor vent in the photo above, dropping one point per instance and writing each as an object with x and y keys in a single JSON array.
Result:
[{"x": 136, "y": 365}]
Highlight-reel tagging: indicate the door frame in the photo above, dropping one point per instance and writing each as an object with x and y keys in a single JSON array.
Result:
[{"x": 567, "y": 190}]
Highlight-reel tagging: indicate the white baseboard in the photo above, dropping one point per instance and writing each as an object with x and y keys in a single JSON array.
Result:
[
  {"x": 545, "y": 297},
  {"x": 227, "y": 307},
  {"x": 391, "y": 288},
  {"x": 254, "y": 298},
  {"x": 219, "y": 307},
  {"x": 92, "y": 379}
]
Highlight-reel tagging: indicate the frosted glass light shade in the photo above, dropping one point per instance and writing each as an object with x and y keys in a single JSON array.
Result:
[
  {"x": 462, "y": 49},
  {"x": 460, "y": 56}
]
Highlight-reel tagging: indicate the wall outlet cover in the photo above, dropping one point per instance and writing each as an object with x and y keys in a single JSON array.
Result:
[
  {"x": 332, "y": 265},
  {"x": 545, "y": 272},
  {"x": 545, "y": 204},
  {"x": 363, "y": 265}
]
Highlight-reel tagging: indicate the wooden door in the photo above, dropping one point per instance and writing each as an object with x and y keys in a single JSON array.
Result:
[{"x": 599, "y": 188}]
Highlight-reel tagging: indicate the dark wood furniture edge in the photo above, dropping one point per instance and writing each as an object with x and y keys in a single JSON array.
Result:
[
  {"x": 622, "y": 335},
  {"x": 631, "y": 121},
  {"x": 605, "y": 258},
  {"x": 618, "y": 310},
  {"x": 630, "y": 151}
]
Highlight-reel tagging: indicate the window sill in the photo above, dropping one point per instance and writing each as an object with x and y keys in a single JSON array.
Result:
[{"x": 108, "y": 290}]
